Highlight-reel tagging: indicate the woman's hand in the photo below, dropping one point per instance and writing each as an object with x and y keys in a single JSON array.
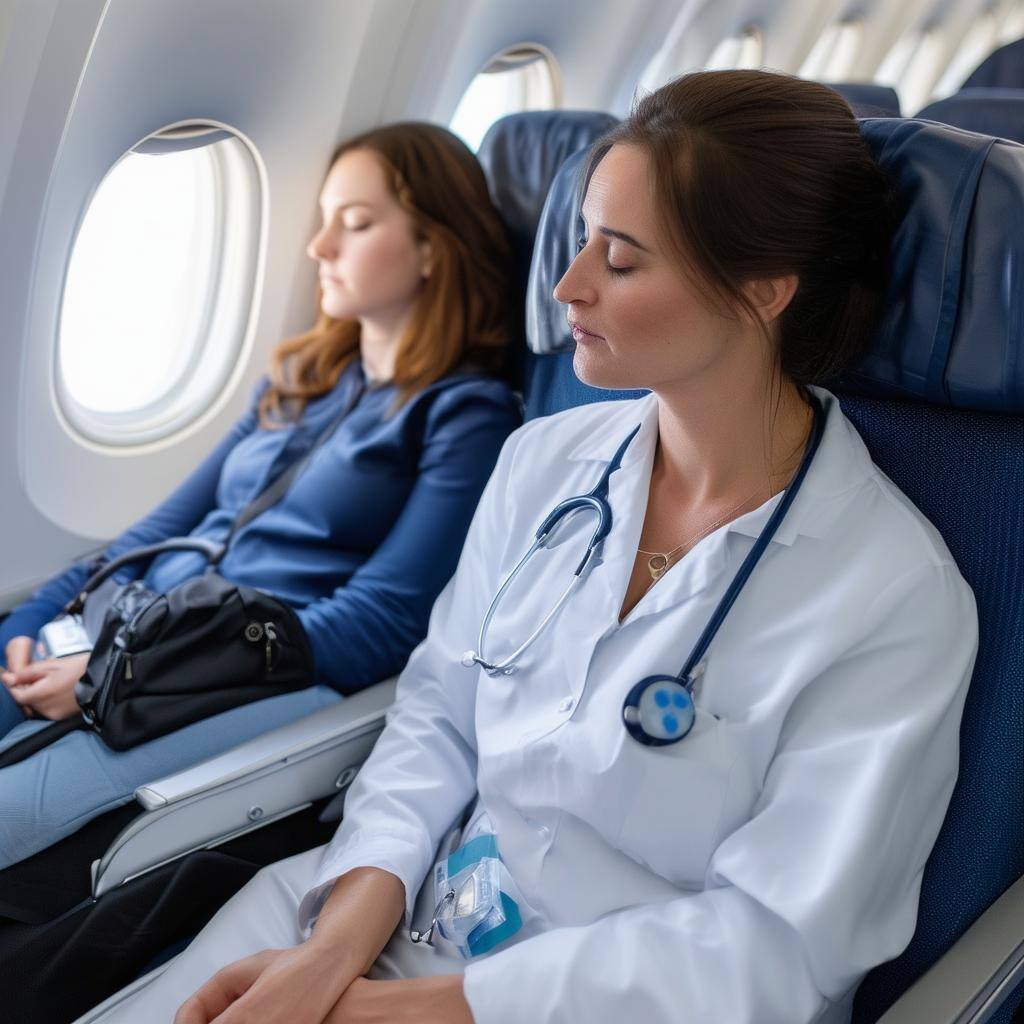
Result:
[
  {"x": 301, "y": 985},
  {"x": 277, "y": 986},
  {"x": 46, "y": 687},
  {"x": 418, "y": 1000}
]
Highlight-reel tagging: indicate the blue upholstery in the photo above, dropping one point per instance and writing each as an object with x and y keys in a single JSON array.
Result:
[
  {"x": 940, "y": 403},
  {"x": 951, "y": 332},
  {"x": 868, "y": 99},
  {"x": 989, "y": 111},
  {"x": 965, "y": 471},
  {"x": 520, "y": 155},
  {"x": 1003, "y": 69}
]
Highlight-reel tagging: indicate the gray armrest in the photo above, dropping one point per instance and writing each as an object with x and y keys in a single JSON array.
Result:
[
  {"x": 973, "y": 978},
  {"x": 249, "y": 786}
]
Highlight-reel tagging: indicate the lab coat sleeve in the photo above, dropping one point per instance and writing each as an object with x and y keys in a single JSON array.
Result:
[
  {"x": 821, "y": 883},
  {"x": 367, "y": 628},
  {"x": 422, "y": 771},
  {"x": 177, "y": 515}
]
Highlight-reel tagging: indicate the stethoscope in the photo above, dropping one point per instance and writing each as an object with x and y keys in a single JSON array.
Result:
[{"x": 659, "y": 709}]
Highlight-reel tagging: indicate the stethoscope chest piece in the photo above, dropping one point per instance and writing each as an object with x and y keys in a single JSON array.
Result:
[{"x": 658, "y": 710}]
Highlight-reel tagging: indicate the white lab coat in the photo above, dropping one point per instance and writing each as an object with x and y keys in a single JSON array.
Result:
[{"x": 752, "y": 872}]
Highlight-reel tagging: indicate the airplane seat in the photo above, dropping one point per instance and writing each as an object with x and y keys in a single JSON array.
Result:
[
  {"x": 1001, "y": 69},
  {"x": 520, "y": 155},
  {"x": 998, "y": 112},
  {"x": 868, "y": 99},
  {"x": 939, "y": 400}
]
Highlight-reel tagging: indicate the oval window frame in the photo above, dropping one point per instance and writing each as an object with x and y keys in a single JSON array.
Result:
[
  {"x": 223, "y": 324},
  {"x": 510, "y": 58}
]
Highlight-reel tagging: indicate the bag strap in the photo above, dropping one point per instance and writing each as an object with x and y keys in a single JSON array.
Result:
[
  {"x": 39, "y": 739},
  {"x": 214, "y": 550},
  {"x": 276, "y": 491}
]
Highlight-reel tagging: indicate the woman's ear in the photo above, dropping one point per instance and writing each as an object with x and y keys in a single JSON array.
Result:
[{"x": 771, "y": 295}]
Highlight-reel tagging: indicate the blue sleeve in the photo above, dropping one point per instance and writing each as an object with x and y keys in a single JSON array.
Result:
[
  {"x": 366, "y": 630},
  {"x": 176, "y": 516}
]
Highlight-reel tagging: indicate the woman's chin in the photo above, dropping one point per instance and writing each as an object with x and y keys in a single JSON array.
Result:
[
  {"x": 598, "y": 372},
  {"x": 336, "y": 307}
]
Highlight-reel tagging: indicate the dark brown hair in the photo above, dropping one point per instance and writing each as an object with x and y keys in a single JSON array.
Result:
[
  {"x": 758, "y": 175},
  {"x": 461, "y": 315}
]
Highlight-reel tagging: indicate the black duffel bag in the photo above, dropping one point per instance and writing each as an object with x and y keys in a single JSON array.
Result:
[{"x": 205, "y": 646}]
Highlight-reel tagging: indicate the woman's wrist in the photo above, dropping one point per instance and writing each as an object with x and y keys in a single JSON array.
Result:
[
  {"x": 437, "y": 1000},
  {"x": 359, "y": 916}
]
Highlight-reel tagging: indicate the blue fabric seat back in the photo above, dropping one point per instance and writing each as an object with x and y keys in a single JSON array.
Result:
[
  {"x": 939, "y": 400},
  {"x": 1003, "y": 69},
  {"x": 520, "y": 155},
  {"x": 989, "y": 111},
  {"x": 868, "y": 99}
]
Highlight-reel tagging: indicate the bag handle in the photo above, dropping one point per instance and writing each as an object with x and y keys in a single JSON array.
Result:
[{"x": 213, "y": 550}]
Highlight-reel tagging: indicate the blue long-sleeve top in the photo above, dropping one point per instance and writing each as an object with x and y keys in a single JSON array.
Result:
[{"x": 365, "y": 537}]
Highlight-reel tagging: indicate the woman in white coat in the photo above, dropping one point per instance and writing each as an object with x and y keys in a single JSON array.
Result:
[{"x": 736, "y": 232}]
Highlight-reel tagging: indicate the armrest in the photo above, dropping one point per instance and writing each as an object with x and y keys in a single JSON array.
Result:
[
  {"x": 969, "y": 983},
  {"x": 251, "y": 785}
]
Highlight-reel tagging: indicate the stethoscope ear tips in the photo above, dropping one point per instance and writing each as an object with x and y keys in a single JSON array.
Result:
[{"x": 469, "y": 659}]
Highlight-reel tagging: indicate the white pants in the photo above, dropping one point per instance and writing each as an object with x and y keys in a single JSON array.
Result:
[{"x": 263, "y": 915}]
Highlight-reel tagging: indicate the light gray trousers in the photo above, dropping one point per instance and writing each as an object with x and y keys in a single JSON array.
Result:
[{"x": 264, "y": 915}]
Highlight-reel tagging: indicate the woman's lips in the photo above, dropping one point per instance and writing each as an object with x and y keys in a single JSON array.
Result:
[{"x": 580, "y": 333}]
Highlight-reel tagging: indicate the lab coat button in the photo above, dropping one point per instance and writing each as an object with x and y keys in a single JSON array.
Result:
[{"x": 566, "y": 705}]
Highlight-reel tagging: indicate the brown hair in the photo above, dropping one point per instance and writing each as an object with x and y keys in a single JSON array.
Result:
[
  {"x": 756, "y": 175},
  {"x": 461, "y": 315}
]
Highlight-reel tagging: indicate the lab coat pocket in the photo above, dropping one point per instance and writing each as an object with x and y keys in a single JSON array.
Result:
[{"x": 675, "y": 807}]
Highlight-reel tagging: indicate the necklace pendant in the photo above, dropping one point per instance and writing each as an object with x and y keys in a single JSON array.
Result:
[{"x": 656, "y": 565}]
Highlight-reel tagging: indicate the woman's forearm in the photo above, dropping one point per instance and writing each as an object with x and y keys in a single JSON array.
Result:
[{"x": 360, "y": 915}]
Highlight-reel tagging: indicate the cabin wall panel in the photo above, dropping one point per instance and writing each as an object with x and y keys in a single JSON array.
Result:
[{"x": 281, "y": 74}]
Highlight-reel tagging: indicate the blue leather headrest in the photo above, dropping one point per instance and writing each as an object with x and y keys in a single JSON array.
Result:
[
  {"x": 953, "y": 329},
  {"x": 952, "y": 332},
  {"x": 1003, "y": 69},
  {"x": 521, "y": 154},
  {"x": 868, "y": 99},
  {"x": 989, "y": 111}
]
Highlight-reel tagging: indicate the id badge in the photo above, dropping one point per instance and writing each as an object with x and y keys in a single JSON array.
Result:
[
  {"x": 63, "y": 637},
  {"x": 482, "y": 912}
]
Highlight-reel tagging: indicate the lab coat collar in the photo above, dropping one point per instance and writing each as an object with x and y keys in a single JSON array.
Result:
[{"x": 839, "y": 467}]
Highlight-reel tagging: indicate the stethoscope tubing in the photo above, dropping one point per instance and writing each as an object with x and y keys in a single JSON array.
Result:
[{"x": 597, "y": 499}]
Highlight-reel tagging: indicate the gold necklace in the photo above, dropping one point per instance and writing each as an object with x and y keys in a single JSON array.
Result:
[{"x": 659, "y": 562}]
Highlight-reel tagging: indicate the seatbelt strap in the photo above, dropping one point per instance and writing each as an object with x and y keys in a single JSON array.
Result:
[
  {"x": 276, "y": 491},
  {"x": 39, "y": 739}
]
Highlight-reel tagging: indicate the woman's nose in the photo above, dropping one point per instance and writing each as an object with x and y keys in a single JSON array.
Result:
[
  {"x": 575, "y": 285},
  {"x": 322, "y": 246}
]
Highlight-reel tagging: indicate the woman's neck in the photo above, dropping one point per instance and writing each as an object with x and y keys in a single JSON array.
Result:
[
  {"x": 379, "y": 338},
  {"x": 713, "y": 449}
]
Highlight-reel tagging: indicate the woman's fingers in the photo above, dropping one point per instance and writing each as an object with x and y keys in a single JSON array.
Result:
[
  {"x": 227, "y": 985},
  {"x": 18, "y": 652},
  {"x": 33, "y": 673},
  {"x": 24, "y": 692}
]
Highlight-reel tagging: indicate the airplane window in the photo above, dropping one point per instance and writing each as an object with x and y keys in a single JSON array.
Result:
[
  {"x": 1013, "y": 27},
  {"x": 159, "y": 286},
  {"x": 745, "y": 50},
  {"x": 832, "y": 57},
  {"x": 523, "y": 78},
  {"x": 980, "y": 41},
  {"x": 913, "y": 66}
]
